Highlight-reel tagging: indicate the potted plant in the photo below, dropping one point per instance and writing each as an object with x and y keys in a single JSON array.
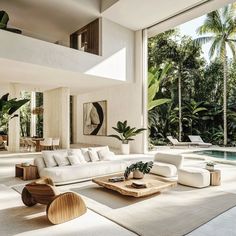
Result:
[
  {"x": 210, "y": 166},
  {"x": 125, "y": 134},
  {"x": 139, "y": 169}
]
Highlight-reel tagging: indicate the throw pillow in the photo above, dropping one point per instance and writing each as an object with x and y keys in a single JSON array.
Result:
[
  {"x": 105, "y": 155},
  {"x": 49, "y": 158},
  {"x": 78, "y": 153},
  {"x": 93, "y": 155},
  {"x": 86, "y": 154},
  {"x": 39, "y": 162},
  {"x": 99, "y": 148},
  {"x": 74, "y": 160},
  {"x": 61, "y": 158}
]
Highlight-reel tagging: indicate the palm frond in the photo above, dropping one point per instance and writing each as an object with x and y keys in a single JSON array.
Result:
[
  {"x": 203, "y": 40},
  {"x": 215, "y": 45},
  {"x": 232, "y": 48},
  {"x": 212, "y": 24}
]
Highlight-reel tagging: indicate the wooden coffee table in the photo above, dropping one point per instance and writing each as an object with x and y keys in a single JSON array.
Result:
[{"x": 154, "y": 184}]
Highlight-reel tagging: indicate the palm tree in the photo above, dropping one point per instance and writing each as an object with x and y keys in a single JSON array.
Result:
[{"x": 219, "y": 29}]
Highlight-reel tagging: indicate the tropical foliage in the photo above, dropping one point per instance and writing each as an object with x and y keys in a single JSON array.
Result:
[
  {"x": 145, "y": 168},
  {"x": 7, "y": 109},
  {"x": 196, "y": 88},
  {"x": 221, "y": 25},
  {"x": 26, "y": 113}
]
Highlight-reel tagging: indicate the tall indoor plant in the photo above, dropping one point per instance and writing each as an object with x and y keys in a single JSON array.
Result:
[{"x": 125, "y": 134}]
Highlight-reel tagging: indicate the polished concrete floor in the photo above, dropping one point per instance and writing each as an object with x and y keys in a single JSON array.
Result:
[{"x": 221, "y": 225}]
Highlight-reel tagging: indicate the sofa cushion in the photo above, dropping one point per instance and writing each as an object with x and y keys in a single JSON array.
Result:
[
  {"x": 86, "y": 154},
  {"x": 169, "y": 158},
  {"x": 164, "y": 169},
  {"x": 93, "y": 151},
  {"x": 39, "y": 162},
  {"x": 78, "y": 153},
  {"x": 48, "y": 157},
  {"x": 106, "y": 155},
  {"x": 83, "y": 171},
  {"x": 99, "y": 148},
  {"x": 194, "y": 177},
  {"x": 93, "y": 155},
  {"x": 74, "y": 160},
  {"x": 61, "y": 158}
]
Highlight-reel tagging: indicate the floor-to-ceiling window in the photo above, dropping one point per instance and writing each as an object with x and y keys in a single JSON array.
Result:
[{"x": 191, "y": 80}]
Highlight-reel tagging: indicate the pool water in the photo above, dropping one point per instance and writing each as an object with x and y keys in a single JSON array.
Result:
[{"x": 218, "y": 154}]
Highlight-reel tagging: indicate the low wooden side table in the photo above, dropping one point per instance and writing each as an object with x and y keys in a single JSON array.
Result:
[
  {"x": 215, "y": 177},
  {"x": 26, "y": 172}
]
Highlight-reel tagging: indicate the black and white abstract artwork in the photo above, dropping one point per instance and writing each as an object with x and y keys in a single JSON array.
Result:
[{"x": 95, "y": 118}]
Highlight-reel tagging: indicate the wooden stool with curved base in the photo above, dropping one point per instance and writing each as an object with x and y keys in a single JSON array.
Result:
[{"x": 61, "y": 207}]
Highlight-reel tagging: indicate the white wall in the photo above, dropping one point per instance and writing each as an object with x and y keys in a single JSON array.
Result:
[
  {"x": 115, "y": 62},
  {"x": 124, "y": 102},
  {"x": 56, "y": 115},
  {"x": 4, "y": 88}
]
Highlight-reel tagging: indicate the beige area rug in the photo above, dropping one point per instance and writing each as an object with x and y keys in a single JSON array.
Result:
[
  {"x": 175, "y": 212},
  {"x": 172, "y": 213}
]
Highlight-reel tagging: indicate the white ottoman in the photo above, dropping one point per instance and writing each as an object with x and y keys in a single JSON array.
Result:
[
  {"x": 164, "y": 169},
  {"x": 194, "y": 177}
]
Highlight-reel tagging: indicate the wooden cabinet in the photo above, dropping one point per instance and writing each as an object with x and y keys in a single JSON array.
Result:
[{"x": 26, "y": 172}]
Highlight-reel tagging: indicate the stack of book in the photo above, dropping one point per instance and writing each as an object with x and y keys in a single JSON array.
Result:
[{"x": 116, "y": 179}]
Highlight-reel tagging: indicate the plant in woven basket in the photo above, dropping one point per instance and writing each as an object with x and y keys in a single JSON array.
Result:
[{"x": 143, "y": 167}]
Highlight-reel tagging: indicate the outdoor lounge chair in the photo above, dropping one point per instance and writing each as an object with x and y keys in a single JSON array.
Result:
[
  {"x": 175, "y": 142},
  {"x": 61, "y": 207},
  {"x": 197, "y": 139}
]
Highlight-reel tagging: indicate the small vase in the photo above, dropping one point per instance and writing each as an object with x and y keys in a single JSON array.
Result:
[
  {"x": 125, "y": 148},
  {"x": 137, "y": 174}
]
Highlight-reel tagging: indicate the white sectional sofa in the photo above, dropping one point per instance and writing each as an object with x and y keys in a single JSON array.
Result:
[{"x": 75, "y": 165}]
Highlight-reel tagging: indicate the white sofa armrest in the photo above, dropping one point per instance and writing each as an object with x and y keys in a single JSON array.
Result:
[{"x": 174, "y": 159}]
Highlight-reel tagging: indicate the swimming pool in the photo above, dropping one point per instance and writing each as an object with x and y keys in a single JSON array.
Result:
[{"x": 231, "y": 156}]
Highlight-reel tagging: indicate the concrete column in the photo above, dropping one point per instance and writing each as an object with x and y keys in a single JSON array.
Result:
[
  {"x": 33, "y": 116},
  {"x": 141, "y": 81},
  {"x": 56, "y": 115},
  {"x": 14, "y": 124},
  {"x": 75, "y": 118}
]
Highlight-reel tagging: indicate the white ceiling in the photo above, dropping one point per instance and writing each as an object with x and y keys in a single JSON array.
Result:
[
  {"x": 39, "y": 78},
  {"x": 54, "y": 20},
  {"x": 50, "y": 20},
  {"x": 139, "y": 14}
]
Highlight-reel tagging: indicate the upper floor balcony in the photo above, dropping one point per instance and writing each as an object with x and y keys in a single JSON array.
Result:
[{"x": 115, "y": 60}]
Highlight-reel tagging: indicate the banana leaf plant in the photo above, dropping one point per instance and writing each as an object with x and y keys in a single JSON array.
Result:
[
  {"x": 155, "y": 78},
  {"x": 125, "y": 132},
  {"x": 8, "y": 107}
]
